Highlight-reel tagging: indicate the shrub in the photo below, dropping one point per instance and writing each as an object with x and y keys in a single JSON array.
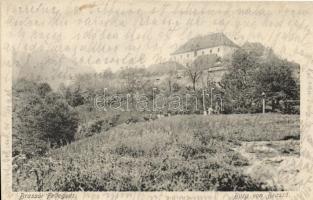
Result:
[
  {"x": 184, "y": 153},
  {"x": 40, "y": 121}
]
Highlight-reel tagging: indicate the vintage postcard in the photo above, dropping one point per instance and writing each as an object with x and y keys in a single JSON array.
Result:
[{"x": 141, "y": 99}]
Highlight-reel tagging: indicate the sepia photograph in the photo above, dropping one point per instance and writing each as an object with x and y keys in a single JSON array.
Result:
[{"x": 152, "y": 96}]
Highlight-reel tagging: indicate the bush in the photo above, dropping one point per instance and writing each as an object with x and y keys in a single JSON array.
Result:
[
  {"x": 251, "y": 74},
  {"x": 60, "y": 121},
  {"x": 155, "y": 175},
  {"x": 175, "y": 154},
  {"x": 41, "y": 119}
]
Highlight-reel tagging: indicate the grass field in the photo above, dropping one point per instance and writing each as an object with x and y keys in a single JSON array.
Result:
[{"x": 178, "y": 153}]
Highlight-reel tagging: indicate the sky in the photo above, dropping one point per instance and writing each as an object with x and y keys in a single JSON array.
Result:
[{"x": 115, "y": 34}]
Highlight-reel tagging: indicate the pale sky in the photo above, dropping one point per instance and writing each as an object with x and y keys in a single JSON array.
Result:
[{"x": 110, "y": 34}]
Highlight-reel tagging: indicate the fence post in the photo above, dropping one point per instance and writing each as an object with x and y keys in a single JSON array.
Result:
[{"x": 263, "y": 102}]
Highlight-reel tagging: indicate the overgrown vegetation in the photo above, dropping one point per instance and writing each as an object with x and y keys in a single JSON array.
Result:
[
  {"x": 174, "y": 154},
  {"x": 254, "y": 70},
  {"x": 62, "y": 142},
  {"x": 42, "y": 119}
]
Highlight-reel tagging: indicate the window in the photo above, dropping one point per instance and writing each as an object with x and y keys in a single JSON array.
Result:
[
  {"x": 195, "y": 53},
  {"x": 210, "y": 50},
  {"x": 202, "y": 52},
  {"x": 218, "y": 49}
]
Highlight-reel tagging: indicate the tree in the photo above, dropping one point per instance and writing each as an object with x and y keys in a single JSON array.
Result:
[
  {"x": 253, "y": 72},
  {"x": 239, "y": 83},
  {"x": 169, "y": 79},
  {"x": 196, "y": 69},
  {"x": 59, "y": 120},
  {"x": 276, "y": 80},
  {"x": 107, "y": 74},
  {"x": 194, "y": 74},
  {"x": 40, "y": 122},
  {"x": 254, "y": 48},
  {"x": 133, "y": 79},
  {"x": 44, "y": 89},
  {"x": 73, "y": 95},
  {"x": 26, "y": 138}
]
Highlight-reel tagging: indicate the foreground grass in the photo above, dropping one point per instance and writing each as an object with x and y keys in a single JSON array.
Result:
[{"x": 174, "y": 154}]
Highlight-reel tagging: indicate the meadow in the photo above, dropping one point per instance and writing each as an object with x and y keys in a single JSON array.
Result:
[{"x": 178, "y": 153}]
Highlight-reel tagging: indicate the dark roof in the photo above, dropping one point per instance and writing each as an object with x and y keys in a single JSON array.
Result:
[{"x": 203, "y": 42}]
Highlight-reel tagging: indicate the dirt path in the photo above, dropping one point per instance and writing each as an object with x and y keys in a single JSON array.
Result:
[{"x": 272, "y": 162}]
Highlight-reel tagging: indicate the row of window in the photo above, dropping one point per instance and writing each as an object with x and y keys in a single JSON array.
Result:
[{"x": 196, "y": 53}]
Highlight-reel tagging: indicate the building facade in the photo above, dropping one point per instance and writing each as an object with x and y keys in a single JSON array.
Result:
[
  {"x": 185, "y": 58},
  {"x": 213, "y": 44}
]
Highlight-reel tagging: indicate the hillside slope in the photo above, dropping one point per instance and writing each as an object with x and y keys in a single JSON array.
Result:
[{"x": 174, "y": 154}]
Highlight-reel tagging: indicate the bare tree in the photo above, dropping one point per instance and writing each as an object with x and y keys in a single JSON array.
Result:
[
  {"x": 169, "y": 79},
  {"x": 133, "y": 80},
  {"x": 194, "y": 73},
  {"x": 196, "y": 68}
]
